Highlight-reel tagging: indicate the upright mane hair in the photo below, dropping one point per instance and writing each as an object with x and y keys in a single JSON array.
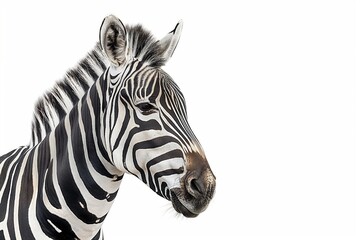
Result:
[{"x": 55, "y": 104}]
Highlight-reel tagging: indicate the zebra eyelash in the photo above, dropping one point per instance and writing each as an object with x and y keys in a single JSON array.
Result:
[{"x": 146, "y": 107}]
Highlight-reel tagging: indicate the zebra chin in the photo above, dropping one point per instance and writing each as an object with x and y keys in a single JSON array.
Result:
[
  {"x": 179, "y": 206},
  {"x": 188, "y": 206}
]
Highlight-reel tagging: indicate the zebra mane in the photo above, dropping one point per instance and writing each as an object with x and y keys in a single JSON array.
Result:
[
  {"x": 144, "y": 46},
  {"x": 55, "y": 104}
]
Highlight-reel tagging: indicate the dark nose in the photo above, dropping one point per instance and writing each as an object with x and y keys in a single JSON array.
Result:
[{"x": 199, "y": 181}]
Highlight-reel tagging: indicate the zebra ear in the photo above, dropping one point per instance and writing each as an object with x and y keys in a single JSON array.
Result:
[
  {"x": 112, "y": 38},
  {"x": 170, "y": 41}
]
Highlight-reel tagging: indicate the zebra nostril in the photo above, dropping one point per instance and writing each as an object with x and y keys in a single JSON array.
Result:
[{"x": 195, "y": 187}]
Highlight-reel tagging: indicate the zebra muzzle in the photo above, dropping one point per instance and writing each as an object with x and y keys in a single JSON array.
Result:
[{"x": 196, "y": 191}]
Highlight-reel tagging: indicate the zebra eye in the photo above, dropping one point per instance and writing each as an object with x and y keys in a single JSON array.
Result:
[{"x": 146, "y": 107}]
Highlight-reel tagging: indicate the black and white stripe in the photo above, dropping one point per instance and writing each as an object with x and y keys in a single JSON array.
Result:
[{"x": 116, "y": 113}]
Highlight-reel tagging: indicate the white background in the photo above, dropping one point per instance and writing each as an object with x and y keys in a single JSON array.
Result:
[{"x": 271, "y": 93}]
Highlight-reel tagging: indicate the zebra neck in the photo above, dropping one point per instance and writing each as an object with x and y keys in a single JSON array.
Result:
[{"x": 81, "y": 182}]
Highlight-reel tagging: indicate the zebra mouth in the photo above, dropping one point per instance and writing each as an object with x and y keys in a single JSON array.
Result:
[{"x": 180, "y": 208}]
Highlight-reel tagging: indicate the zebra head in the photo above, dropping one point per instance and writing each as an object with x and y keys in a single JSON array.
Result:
[{"x": 146, "y": 127}]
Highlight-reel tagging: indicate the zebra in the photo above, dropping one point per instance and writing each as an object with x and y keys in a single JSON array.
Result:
[{"x": 115, "y": 113}]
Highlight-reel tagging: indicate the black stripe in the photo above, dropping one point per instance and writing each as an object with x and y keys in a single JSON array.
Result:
[
  {"x": 7, "y": 155},
  {"x": 44, "y": 216},
  {"x": 68, "y": 186},
  {"x": 166, "y": 156},
  {"x": 56, "y": 105},
  {"x": 78, "y": 150},
  {"x": 69, "y": 91},
  {"x": 42, "y": 115},
  {"x": 88, "y": 69},
  {"x": 98, "y": 59},
  {"x": 174, "y": 130},
  {"x": 49, "y": 187},
  {"x": 5, "y": 183},
  {"x": 149, "y": 144},
  {"x": 166, "y": 172},
  {"x": 14, "y": 184},
  {"x": 97, "y": 236},
  {"x": 90, "y": 142},
  {"x": 78, "y": 77},
  {"x": 26, "y": 195},
  {"x": 96, "y": 104},
  {"x": 124, "y": 100}
]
